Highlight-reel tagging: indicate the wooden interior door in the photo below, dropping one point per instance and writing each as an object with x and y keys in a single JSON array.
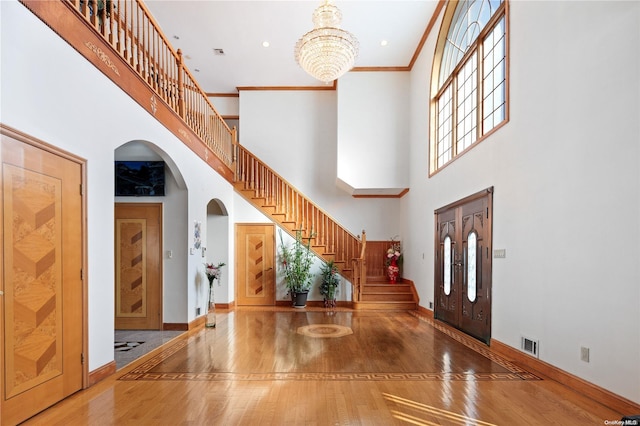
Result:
[
  {"x": 463, "y": 265},
  {"x": 255, "y": 245},
  {"x": 138, "y": 275},
  {"x": 41, "y": 314}
]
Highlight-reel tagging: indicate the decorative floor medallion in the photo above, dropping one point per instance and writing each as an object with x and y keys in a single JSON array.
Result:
[{"x": 324, "y": 330}]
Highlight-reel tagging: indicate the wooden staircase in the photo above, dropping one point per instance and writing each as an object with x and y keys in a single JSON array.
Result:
[
  {"x": 286, "y": 206},
  {"x": 382, "y": 295},
  {"x": 289, "y": 208}
]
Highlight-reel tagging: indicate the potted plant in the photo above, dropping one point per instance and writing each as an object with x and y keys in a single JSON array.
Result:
[
  {"x": 296, "y": 263},
  {"x": 330, "y": 282}
]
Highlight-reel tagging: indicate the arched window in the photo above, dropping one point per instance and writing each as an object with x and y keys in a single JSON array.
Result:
[{"x": 469, "y": 77}]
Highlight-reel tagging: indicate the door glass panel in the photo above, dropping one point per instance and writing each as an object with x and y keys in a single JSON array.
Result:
[
  {"x": 472, "y": 248},
  {"x": 447, "y": 265}
]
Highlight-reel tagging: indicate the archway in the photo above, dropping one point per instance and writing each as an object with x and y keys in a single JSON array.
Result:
[
  {"x": 217, "y": 249},
  {"x": 173, "y": 260}
]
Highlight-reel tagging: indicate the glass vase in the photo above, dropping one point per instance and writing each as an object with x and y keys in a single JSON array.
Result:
[{"x": 211, "y": 307}]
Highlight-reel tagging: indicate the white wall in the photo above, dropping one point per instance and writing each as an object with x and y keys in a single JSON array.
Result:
[
  {"x": 567, "y": 189},
  {"x": 373, "y": 130},
  {"x": 50, "y": 92},
  {"x": 226, "y": 105},
  {"x": 294, "y": 132}
]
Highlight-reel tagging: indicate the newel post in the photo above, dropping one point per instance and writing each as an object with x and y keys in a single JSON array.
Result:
[{"x": 180, "y": 84}]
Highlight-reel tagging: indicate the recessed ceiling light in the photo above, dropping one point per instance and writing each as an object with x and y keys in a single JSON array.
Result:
[
  {"x": 384, "y": 43},
  {"x": 265, "y": 44}
]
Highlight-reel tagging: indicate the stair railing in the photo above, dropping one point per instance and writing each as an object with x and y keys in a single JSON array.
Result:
[
  {"x": 133, "y": 33},
  {"x": 291, "y": 209}
]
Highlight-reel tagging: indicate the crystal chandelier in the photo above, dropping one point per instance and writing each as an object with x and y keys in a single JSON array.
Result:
[{"x": 326, "y": 52}]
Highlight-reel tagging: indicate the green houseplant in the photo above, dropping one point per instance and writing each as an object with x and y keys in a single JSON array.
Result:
[
  {"x": 330, "y": 282},
  {"x": 296, "y": 264}
]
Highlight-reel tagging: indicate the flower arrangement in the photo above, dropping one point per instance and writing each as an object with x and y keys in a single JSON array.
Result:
[
  {"x": 213, "y": 272},
  {"x": 394, "y": 253}
]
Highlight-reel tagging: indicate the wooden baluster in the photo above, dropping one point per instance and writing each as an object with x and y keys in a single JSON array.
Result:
[
  {"x": 270, "y": 188},
  {"x": 138, "y": 47},
  {"x": 243, "y": 167},
  {"x": 146, "y": 65},
  {"x": 93, "y": 8},
  {"x": 127, "y": 35},
  {"x": 252, "y": 182},
  {"x": 112, "y": 17},
  {"x": 234, "y": 153},
  {"x": 118, "y": 22},
  {"x": 299, "y": 211},
  {"x": 181, "y": 111},
  {"x": 260, "y": 180},
  {"x": 102, "y": 17}
]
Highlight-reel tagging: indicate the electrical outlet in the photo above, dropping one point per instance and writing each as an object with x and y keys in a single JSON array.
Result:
[
  {"x": 500, "y": 253},
  {"x": 197, "y": 311},
  {"x": 584, "y": 354},
  {"x": 430, "y": 305}
]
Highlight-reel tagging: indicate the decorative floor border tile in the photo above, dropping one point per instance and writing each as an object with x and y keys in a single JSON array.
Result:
[{"x": 477, "y": 347}]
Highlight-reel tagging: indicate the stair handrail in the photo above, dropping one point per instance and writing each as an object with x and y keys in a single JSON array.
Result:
[
  {"x": 130, "y": 29},
  {"x": 293, "y": 210}
]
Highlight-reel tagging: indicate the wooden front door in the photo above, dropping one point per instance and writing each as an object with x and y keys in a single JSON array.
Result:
[
  {"x": 255, "y": 244},
  {"x": 463, "y": 265},
  {"x": 42, "y": 293},
  {"x": 138, "y": 275}
]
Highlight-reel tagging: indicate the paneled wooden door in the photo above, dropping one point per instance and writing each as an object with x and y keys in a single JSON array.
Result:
[
  {"x": 41, "y": 309},
  {"x": 463, "y": 264},
  {"x": 255, "y": 245},
  {"x": 138, "y": 275}
]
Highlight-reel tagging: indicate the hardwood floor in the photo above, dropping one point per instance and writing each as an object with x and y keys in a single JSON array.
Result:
[{"x": 284, "y": 366}]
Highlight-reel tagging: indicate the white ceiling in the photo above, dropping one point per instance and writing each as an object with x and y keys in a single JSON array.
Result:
[{"x": 240, "y": 27}]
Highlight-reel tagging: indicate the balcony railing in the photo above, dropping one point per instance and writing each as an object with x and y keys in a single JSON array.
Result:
[{"x": 130, "y": 29}]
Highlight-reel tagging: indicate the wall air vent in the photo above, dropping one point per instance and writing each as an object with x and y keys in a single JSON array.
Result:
[{"x": 530, "y": 346}]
